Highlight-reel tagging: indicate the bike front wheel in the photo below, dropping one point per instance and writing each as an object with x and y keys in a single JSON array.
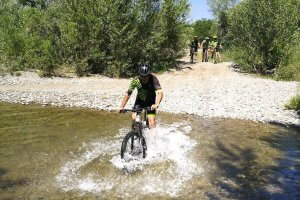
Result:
[{"x": 133, "y": 146}]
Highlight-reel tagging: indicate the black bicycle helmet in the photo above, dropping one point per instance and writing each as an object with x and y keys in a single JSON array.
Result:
[{"x": 144, "y": 69}]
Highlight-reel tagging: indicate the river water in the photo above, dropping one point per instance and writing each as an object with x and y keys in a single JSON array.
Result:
[{"x": 63, "y": 153}]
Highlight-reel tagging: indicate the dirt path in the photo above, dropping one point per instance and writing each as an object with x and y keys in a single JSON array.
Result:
[{"x": 194, "y": 73}]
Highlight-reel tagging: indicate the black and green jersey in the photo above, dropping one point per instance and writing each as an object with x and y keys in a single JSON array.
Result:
[
  {"x": 214, "y": 44},
  {"x": 194, "y": 44},
  {"x": 218, "y": 44},
  {"x": 205, "y": 44},
  {"x": 146, "y": 92}
]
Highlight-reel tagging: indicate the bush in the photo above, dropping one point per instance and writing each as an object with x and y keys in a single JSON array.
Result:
[
  {"x": 262, "y": 33},
  {"x": 294, "y": 103},
  {"x": 291, "y": 70},
  {"x": 18, "y": 74},
  {"x": 204, "y": 28},
  {"x": 226, "y": 55},
  {"x": 108, "y": 37}
]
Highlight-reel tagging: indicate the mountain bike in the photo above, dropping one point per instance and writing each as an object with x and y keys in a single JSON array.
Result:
[{"x": 134, "y": 143}]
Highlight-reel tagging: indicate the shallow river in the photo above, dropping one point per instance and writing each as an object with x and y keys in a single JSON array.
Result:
[{"x": 62, "y": 153}]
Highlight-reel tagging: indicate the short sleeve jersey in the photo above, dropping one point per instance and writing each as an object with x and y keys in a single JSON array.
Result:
[
  {"x": 205, "y": 44},
  {"x": 195, "y": 43},
  {"x": 214, "y": 44},
  {"x": 146, "y": 92}
]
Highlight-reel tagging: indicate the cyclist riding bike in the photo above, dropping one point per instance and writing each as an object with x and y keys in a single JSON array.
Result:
[
  {"x": 149, "y": 93},
  {"x": 205, "y": 44}
]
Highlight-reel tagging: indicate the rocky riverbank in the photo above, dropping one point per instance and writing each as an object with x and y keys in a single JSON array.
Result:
[{"x": 203, "y": 89}]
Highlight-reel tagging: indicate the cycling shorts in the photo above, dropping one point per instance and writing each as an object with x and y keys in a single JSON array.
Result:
[
  {"x": 142, "y": 104},
  {"x": 218, "y": 49}
]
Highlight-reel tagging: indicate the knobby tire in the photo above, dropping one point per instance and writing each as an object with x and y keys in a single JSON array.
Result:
[{"x": 130, "y": 137}]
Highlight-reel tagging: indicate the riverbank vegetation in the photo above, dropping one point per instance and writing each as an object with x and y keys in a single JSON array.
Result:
[
  {"x": 294, "y": 103},
  {"x": 261, "y": 36},
  {"x": 108, "y": 37},
  {"x": 112, "y": 37}
]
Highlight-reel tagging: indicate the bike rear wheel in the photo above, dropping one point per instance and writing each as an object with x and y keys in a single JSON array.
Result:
[{"x": 133, "y": 146}]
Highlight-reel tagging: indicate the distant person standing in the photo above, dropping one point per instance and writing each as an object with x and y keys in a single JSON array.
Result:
[
  {"x": 218, "y": 51},
  {"x": 204, "y": 45},
  {"x": 195, "y": 45},
  {"x": 214, "y": 46}
]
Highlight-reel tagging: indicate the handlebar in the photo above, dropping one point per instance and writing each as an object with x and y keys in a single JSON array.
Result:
[{"x": 135, "y": 110}]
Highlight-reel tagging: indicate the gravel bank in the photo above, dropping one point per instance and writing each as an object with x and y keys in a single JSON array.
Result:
[{"x": 203, "y": 89}]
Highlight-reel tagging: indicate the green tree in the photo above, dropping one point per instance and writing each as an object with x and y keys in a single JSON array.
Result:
[
  {"x": 109, "y": 37},
  {"x": 219, "y": 7},
  {"x": 203, "y": 28},
  {"x": 42, "y": 4},
  {"x": 298, "y": 5},
  {"x": 262, "y": 33},
  {"x": 11, "y": 35}
]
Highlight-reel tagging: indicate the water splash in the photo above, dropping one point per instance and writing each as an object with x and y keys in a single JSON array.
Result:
[{"x": 169, "y": 164}]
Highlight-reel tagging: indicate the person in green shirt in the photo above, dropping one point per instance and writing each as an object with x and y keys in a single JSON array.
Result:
[
  {"x": 213, "y": 47},
  {"x": 216, "y": 44},
  {"x": 195, "y": 44},
  {"x": 149, "y": 93},
  {"x": 204, "y": 45}
]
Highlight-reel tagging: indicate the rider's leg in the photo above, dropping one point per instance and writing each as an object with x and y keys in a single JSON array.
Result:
[
  {"x": 217, "y": 57},
  {"x": 133, "y": 116},
  {"x": 153, "y": 131},
  {"x": 151, "y": 120},
  {"x": 206, "y": 55}
]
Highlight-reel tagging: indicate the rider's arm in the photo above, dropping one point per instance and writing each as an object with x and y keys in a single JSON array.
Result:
[
  {"x": 159, "y": 96},
  {"x": 159, "y": 93},
  {"x": 132, "y": 86},
  {"x": 124, "y": 101}
]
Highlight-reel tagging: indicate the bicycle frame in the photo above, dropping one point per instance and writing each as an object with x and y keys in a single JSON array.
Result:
[{"x": 139, "y": 123}]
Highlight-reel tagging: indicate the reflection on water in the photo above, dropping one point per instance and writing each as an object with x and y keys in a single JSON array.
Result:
[{"x": 63, "y": 153}]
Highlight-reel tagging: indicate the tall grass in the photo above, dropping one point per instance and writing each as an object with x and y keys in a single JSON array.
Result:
[{"x": 294, "y": 103}]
